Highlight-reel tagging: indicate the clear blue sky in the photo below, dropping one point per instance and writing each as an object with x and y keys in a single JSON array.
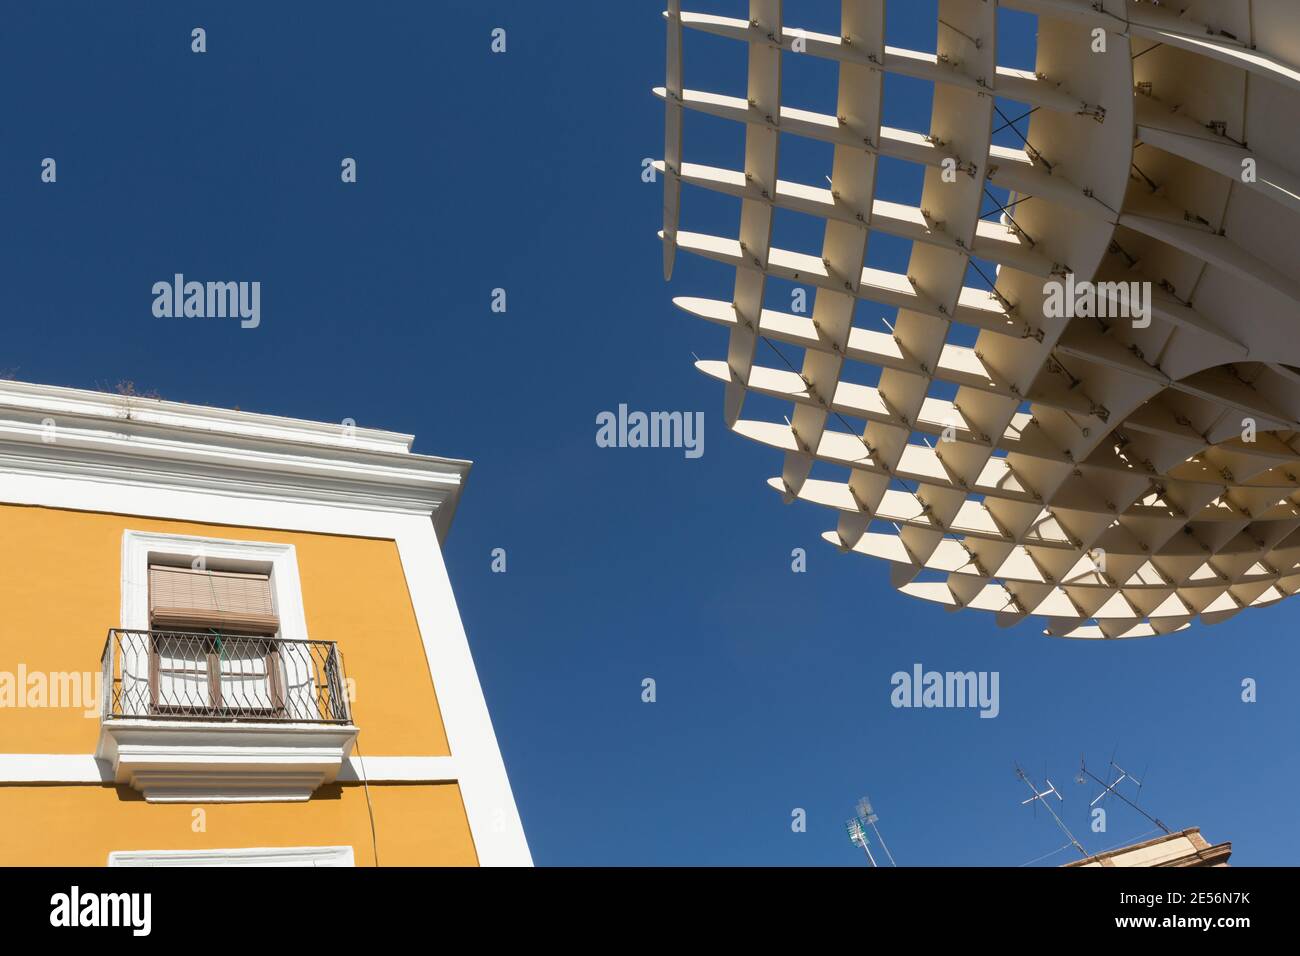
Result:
[{"x": 522, "y": 171}]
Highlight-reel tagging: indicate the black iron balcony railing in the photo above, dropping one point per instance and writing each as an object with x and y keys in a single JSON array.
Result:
[{"x": 191, "y": 675}]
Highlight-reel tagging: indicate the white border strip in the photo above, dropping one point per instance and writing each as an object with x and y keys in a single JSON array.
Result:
[
  {"x": 84, "y": 768},
  {"x": 399, "y": 770},
  {"x": 53, "y": 768}
]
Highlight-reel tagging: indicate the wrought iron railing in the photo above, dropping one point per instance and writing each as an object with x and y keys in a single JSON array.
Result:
[{"x": 189, "y": 675}]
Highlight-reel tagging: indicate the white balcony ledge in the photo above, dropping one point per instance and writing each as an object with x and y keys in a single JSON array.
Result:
[{"x": 193, "y": 761}]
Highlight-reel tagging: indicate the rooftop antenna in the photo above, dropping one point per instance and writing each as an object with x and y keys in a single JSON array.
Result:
[
  {"x": 868, "y": 815},
  {"x": 1109, "y": 788},
  {"x": 1041, "y": 797},
  {"x": 859, "y": 838}
]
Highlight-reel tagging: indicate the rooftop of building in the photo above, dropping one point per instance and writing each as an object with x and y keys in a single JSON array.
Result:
[
  {"x": 70, "y": 432},
  {"x": 1180, "y": 848}
]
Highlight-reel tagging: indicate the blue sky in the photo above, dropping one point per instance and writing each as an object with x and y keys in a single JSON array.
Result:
[{"x": 522, "y": 171}]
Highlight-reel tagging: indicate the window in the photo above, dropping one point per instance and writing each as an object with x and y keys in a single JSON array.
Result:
[
  {"x": 215, "y": 628},
  {"x": 189, "y": 598},
  {"x": 255, "y": 584},
  {"x": 212, "y": 647},
  {"x": 219, "y": 674}
]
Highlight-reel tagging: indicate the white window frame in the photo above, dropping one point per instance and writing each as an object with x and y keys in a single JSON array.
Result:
[
  {"x": 139, "y": 548},
  {"x": 242, "y": 856}
]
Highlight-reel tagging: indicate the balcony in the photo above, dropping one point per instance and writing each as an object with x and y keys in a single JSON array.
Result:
[
  {"x": 193, "y": 717},
  {"x": 185, "y": 675}
]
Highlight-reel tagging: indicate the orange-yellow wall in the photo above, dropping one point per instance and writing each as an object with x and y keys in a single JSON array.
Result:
[
  {"x": 60, "y": 592},
  {"x": 415, "y": 824}
]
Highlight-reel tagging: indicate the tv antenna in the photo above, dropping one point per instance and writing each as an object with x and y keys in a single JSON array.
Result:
[
  {"x": 867, "y": 815},
  {"x": 1041, "y": 797},
  {"x": 1109, "y": 788},
  {"x": 858, "y": 837}
]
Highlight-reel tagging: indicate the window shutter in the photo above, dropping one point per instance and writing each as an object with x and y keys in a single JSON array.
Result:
[{"x": 185, "y": 599}]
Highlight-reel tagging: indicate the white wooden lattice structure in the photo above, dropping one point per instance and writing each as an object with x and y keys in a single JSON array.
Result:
[{"x": 1095, "y": 473}]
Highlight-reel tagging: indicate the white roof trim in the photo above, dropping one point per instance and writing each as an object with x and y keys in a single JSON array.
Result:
[{"x": 66, "y": 432}]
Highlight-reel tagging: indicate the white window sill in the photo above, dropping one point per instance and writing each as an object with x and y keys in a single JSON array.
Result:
[{"x": 195, "y": 761}]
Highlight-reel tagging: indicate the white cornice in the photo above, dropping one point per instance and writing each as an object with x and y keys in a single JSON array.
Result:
[
  {"x": 63, "y": 432},
  {"x": 82, "y": 403}
]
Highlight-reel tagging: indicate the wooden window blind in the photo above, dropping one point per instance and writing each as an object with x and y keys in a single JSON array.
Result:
[{"x": 185, "y": 599}]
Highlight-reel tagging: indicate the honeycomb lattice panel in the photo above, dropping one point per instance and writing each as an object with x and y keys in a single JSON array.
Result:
[{"x": 1117, "y": 478}]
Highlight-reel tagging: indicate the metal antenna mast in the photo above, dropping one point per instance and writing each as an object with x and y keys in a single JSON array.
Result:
[
  {"x": 1109, "y": 788},
  {"x": 867, "y": 815},
  {"x": 1038, "y": 797}
]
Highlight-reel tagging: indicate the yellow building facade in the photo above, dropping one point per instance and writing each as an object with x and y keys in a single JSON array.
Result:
[{"x": 230, "y": 639}]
